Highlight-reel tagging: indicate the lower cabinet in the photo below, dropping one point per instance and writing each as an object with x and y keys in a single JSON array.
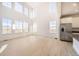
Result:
[{"x": 76, "y": 45}]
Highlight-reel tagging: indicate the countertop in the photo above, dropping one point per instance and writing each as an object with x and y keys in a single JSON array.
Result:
[
  {"x": 75, "y": 30},
  {"x": 76, "y": 36},
  {"x": 75, "y": 33}
]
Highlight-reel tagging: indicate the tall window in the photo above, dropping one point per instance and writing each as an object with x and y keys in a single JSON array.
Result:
[
  {"x": 7, "y": 4},
  {"x": 34, "y": 27},
  {"x": 6, "y": 26},
  {"x": 52, "y": 26},
  {"x": 18, "y": 7},
  {"x": 26, "y": 11},
  {"x": 25, "y": 26}
]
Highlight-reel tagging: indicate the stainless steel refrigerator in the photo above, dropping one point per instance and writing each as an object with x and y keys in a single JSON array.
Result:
[{"x": 66, "y": 31}]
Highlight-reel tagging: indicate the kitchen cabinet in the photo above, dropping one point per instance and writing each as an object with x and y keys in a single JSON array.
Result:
[
  {"x": 68, "y": 8},
  {"x": 76, "y": 43}
]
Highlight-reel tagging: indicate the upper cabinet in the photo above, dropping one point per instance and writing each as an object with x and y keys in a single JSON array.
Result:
[{"x": 68, "y": 8}]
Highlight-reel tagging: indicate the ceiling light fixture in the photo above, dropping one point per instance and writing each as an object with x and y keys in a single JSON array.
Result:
[{"x": 74, "y": 4}]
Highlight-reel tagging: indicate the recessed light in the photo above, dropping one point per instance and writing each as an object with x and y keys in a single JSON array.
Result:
[{"x": 74, "y": 4}]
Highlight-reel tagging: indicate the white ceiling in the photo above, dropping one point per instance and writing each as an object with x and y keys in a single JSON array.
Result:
[{"x": 34, "y": 4}]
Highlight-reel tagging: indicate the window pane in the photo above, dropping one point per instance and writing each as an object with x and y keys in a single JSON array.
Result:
[
  {"x": 25, "y": 27},
  {"x": 34, "y": 27},
  {"x": 17, "y": 26},
  {"x": 4, "y": 22},
  {"x": 18, "y": 7},
  {"x": 32, "y": 13},
  {"x": 7, "y": 4},
  {"x": 53, "y": 23},
  {"x": 26, "y": 11},
  {"x": 4, "y": 30},
  {"x": 52, "y": 26},
  {"x": 6, "y": 25},
  {"x": 14, "y": 26},
  {"x": 20, "y": 26}
]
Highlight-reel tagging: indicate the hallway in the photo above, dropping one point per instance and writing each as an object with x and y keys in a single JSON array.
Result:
[{"x": 35, "y": 45}]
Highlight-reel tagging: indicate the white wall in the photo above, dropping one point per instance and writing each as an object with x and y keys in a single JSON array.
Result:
[{"x": 44, "y": 15}]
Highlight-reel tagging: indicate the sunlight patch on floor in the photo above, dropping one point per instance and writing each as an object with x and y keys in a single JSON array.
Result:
[{"x": 2, "y": 48}]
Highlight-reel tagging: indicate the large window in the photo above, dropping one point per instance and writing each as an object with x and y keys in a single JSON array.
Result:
[
  {"x": 25, "y": 26},
  {"x": 52, "y": 26},
  {"x": 6, "y": 26},
  {"x": 18, "y": 7},
  {"x": 7, "y": 4}
]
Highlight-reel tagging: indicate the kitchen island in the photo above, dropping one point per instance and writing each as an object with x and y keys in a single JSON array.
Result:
[{"x": 76, "y": 42}]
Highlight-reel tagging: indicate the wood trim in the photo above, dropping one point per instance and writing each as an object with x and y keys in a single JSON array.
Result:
[{"x": 69, "y": 15}]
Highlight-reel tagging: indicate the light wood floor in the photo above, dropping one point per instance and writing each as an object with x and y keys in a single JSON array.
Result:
[{"x": 37, "y": 46}]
